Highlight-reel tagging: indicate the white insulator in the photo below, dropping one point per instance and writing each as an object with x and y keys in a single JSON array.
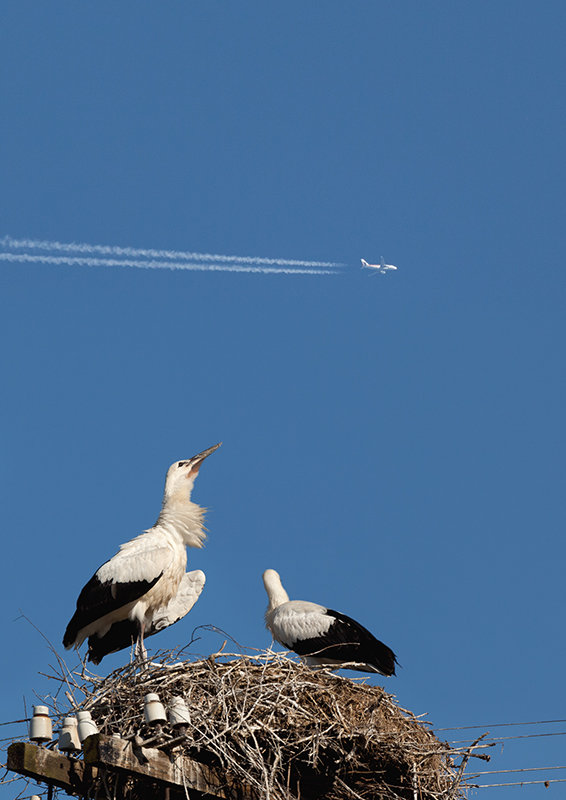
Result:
[
  {"x": 178, "y": 712},
  {"x": 40, "y": 729},
  {"x": 86, "y": 725},
  {"x": 69, "y": 741},
  {"x": 153, "y": 710}
]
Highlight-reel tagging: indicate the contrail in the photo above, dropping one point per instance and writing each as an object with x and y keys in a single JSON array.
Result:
[
  {"x": 89, "y": 261},
  {"x": 177, "y": 255}
]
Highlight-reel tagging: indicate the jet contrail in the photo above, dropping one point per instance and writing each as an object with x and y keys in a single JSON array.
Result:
[
  {"x": 177, "y": 255},
  {"x": 89, "y": 261}
]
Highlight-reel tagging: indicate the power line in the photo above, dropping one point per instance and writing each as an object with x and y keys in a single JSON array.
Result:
[
  {"x": 506, "y": 738},
  {"x": 501, "y": 725},
  {"x": 14, "y": 721},
  {"x": 515, "y": 783},
  {"x": 522, "y": 769}
]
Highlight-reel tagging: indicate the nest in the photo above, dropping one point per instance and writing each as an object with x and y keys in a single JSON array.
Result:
[{"x": 282, "y": 730}]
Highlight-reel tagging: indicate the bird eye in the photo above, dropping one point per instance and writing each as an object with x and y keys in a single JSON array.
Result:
[{"x": 182, "y": 463}]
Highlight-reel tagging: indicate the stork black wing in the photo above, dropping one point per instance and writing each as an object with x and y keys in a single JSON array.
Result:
[
  {"x": 124, "y": 632},
  {"x": 97, "y": 599},
  {"x": 121, "y": 634},
  {"x": 347, "y": 640}
]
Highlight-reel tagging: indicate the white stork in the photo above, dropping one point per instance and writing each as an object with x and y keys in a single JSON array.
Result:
[
  {"x": 322, "y": 637},
  {"x": 123, "y": 633},
  {"x": 144, "y": 576}
]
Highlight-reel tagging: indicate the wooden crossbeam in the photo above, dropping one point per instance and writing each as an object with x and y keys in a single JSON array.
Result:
[
  {"x": 173, "y": 772},
  {"x": 48, "y": 766}
]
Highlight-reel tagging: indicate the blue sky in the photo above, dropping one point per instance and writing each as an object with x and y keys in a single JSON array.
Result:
[{"x": 393, "y": 445}]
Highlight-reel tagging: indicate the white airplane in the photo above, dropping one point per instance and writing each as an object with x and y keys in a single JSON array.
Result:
[{"x": 382, "y": 267}]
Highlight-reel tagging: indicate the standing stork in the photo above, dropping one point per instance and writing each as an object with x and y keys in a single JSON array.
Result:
[
  {"x": 321, "y": 636},
  {"x": 143, "y": 578}
]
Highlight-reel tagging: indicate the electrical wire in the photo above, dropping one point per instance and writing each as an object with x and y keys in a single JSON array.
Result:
[
  {"x": 515, "y": 783},
  {"x": 501, "y": 725},
  {"x": 522, "y": 769},
  {"x": 506, "y": 738}
]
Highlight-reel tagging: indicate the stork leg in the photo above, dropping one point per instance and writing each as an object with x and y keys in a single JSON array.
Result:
[{"x": 141, "y": 652}]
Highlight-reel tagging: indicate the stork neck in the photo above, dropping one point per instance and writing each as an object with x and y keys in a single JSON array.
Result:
[
  {"x": 277, "y": 596},
  {"x": 184, "y": 519}
]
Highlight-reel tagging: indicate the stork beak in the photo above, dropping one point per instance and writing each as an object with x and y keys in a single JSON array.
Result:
[{"x": 197, "y": 460}]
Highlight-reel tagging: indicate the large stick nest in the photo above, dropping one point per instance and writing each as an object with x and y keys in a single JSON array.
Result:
[{"x": 283, "y": 730}]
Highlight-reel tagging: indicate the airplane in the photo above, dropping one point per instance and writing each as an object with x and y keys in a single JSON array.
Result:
[{"x": 382, "y": 267}]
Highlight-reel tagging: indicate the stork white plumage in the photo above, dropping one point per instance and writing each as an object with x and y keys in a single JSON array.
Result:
[
  {"x": 141, "y": 581},
  {"x": 323, "y": 637},
  {"x": 123, "y": 634}
]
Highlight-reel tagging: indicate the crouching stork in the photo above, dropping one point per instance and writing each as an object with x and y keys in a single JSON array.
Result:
[{"x": 323, "y": 637}]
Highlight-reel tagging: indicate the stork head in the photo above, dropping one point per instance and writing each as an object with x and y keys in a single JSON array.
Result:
[
  {"x": 181, "y": 477},
  {"x": 274, "y": 588}
]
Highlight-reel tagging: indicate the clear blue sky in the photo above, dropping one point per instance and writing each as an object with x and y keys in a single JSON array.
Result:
[{"x": 393, "y": 445}]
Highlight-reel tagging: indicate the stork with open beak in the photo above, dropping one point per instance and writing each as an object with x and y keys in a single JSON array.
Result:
[{"x": 142, "y": 580}]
